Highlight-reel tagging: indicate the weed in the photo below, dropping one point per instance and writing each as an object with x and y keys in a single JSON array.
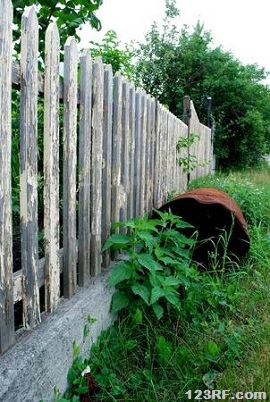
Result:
[{"x": 157, "y": 261}]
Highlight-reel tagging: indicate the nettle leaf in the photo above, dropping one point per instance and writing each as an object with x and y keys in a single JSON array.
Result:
[
  {"x": 120, "y": 273},
  {"x": 213, "y": 348},
  {"x": 182, "y": 253},
  {"x": 158, "y": 310},
  {"x": 155, "y": 279},
  {"x": 148, "y": 239},
  {"x": 156, "y": 294},
  {"x": 171, "y": 234},
  {"x": 169, "y": 261},
  {"x": 183, "y": 240},
  {"x": 165, "y": 349},
  {"x": 171, "y": 281},
  {"x": 116, "y": 242},
  {"x": 158, "y": 252},
  {"x": 172, "y": 298},
  {"x": 119, "y": 301},
  {"x": 183, "y": 225},
  {"x": 142, "y": 291},
  {"x": 148, "y": 262}
]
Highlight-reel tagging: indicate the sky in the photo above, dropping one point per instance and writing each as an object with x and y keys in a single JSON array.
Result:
[{"x": 239, "y": 26}]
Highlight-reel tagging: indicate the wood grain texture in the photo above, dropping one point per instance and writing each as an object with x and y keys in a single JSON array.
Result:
[
  {"x": 28, "y": 166},
  {"x": 51, "y": 168},
  {"x": 7, "y": 337},
  {"x": 69, "y": 167}
]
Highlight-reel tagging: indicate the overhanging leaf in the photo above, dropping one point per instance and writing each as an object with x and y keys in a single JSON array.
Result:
[{"x": 116, "y": 242}]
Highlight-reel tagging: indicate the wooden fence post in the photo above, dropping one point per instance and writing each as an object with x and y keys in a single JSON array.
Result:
[
  {"x": 69, "y": 168},
  {"x": 137, "y": 154},
  {"x": 107, "y": 160},
  {"x": 116, "y": 147},
  {"x": 157, "y": 156},
  {"x": 84, "y": 235},
  {"x": 125, "y": 154},
  {"x": 96, "y": 166},
  {"x": 7, "y": 337},
  {"x": 131, "y": 194},
  {"x": 28, "y": 164},
  {"x": 51, "y": 167},
  {"x": 142, "y": 155},
  {"x": 147, "y": 186},
  {"x": 186, "y": 119}
]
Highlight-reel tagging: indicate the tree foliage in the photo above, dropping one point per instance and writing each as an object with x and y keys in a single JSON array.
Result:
[
  {"x": 70, "y": 15},
  {"x": 112, "y": 52},
  {"x": 173, "y": 63}
]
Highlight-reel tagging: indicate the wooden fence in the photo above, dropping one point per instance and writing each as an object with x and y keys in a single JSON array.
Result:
[{"x": 118, "y": 161}]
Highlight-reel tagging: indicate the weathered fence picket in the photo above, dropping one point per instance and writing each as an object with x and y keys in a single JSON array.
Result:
[
  {"x": 131, "y": 196},
  {"x": 107, "y": 159},
  {"x": 117, "y": 161},
  {"x": 96, "y": 165},
  {"x": 116, "y": 200},
  {"x": 125, "y": 141},
  {"x": 69, "y": 168},
  {"x": 51, "y": 168},
  {"x": 28, "y": 166},
  {"x": 7, "y": 335},
  {"x": 142, "y": 159},
  {"x": 137, "y": 154},
  {"x": 84, "y": 235}
]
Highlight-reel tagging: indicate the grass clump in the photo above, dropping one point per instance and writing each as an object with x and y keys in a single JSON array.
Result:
[{"x": 181, "y": 328}]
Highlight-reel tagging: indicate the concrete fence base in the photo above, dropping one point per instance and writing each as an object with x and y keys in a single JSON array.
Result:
[{"x": 41, "y": 358}]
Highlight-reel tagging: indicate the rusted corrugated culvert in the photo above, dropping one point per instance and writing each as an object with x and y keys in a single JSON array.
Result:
[{"x": 213, "y": 213}]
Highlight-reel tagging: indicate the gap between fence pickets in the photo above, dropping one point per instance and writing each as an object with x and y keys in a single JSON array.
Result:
[
  {"x": 16, "y": 82},
  {"x": 18, "y": 276}
]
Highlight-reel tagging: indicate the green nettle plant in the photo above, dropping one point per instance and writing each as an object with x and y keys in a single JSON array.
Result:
[
  {"x": 155, "y": 264},
  {"x": 189, "y": 162}
]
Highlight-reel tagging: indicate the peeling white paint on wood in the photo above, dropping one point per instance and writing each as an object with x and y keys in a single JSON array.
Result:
[
  {"x": 28, "y": 166},
  {"x": 96, "y": 165},
  {"x": 116, "y": 147},
  {"x": 69, "y": 167},
  {"x": 107, "y": 161},
  {"x": 6, "y": 265},
  {"x": 84, "y": 235},
  {"x": 51, "y": 168}
]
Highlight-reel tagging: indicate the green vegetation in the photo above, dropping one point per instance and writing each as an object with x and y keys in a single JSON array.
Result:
[
  {"x": 157, "y": 262},
  {"x": 112, "y": 52},
  {"x": 173, "y": 63},
  {"x": 216, "y": 336},
  {"x": 69, "y": 16}
]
